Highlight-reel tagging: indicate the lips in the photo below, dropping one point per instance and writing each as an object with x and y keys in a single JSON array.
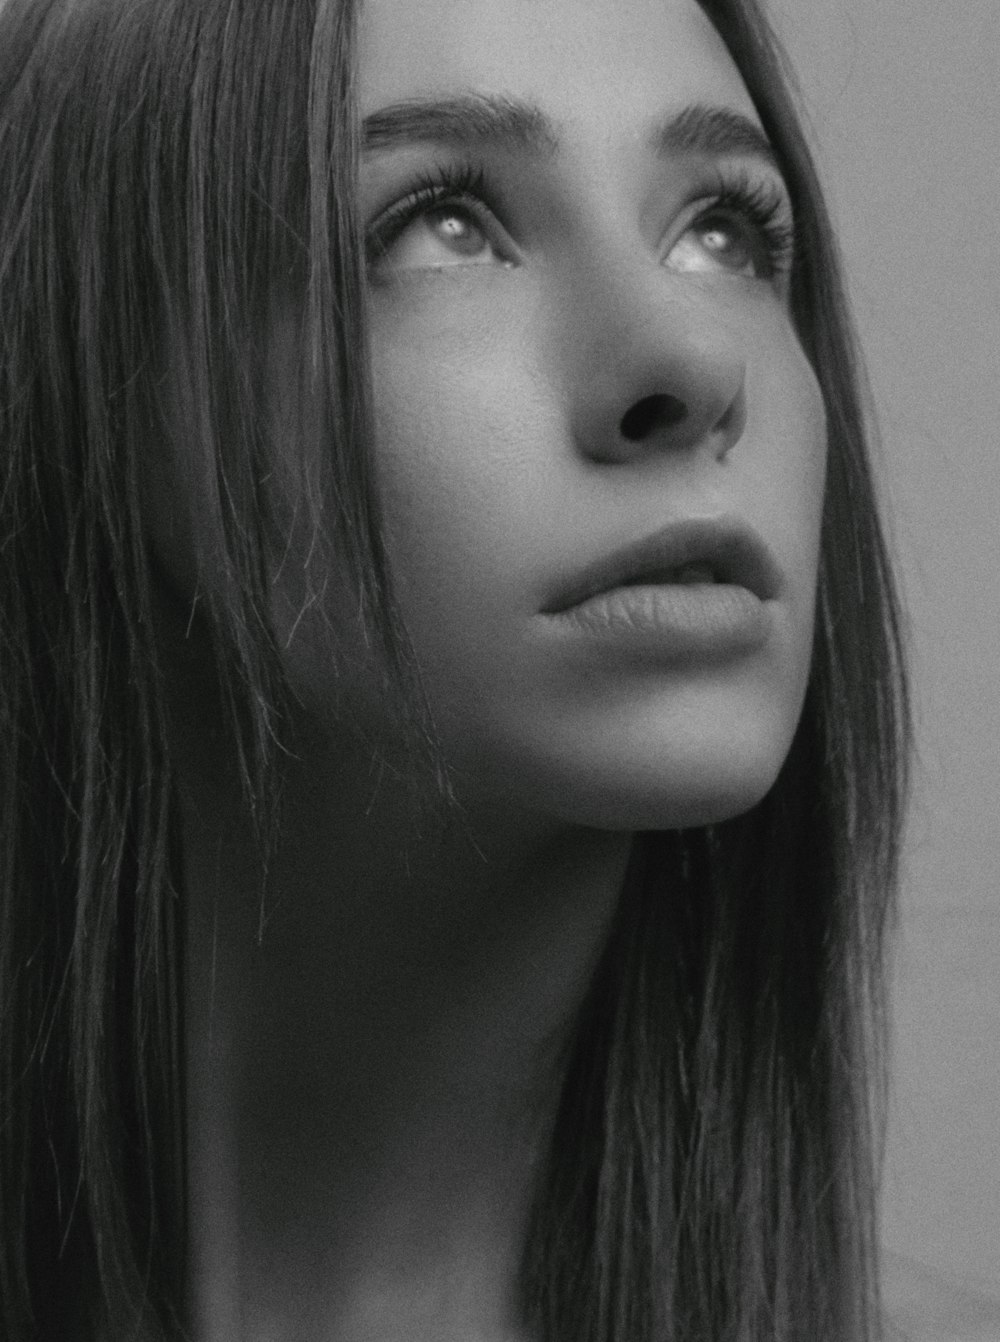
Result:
[{"x": 686, "y": 552}]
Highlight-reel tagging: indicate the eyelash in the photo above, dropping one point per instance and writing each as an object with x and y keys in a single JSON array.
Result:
[
  {"x": 761, "y": 204},
  {"x": 452, "y": 184},
  {"x": 764, "y": 206}
]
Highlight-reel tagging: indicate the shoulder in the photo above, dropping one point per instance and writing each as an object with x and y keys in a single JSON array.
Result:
[{"x": 924, "y": 1304}]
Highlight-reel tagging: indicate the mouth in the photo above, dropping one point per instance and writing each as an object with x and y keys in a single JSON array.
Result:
[{"x": 720, "y": 551}]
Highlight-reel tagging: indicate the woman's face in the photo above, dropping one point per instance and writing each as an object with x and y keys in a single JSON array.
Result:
[{"x": 587, "y": 384}]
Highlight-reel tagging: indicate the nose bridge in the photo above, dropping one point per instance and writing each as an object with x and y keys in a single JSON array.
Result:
[{"x": 652, "y": 361}]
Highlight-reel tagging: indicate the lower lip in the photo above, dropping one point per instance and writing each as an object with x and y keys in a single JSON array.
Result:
[{"x": 673, "y": 621}]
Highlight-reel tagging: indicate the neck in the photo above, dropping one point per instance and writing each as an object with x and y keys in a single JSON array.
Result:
[{"x": 373, "y": 1063}]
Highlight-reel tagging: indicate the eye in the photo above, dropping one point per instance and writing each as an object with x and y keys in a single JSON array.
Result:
[
  {"x": 747, "y": 230},
  {"x": 720, "y": 243},
  {"x": 448, "y": 235},
  {"x": 442, "y": 224}
]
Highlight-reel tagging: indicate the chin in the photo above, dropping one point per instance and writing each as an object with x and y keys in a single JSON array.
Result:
[
  {"x": 679, "y": 794},
  {"x": 688, "y": 805},
  {"x": 689, "y": 765}
]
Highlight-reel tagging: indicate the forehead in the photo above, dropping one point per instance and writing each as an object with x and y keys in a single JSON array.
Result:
[{"x": 601, "y": 65}]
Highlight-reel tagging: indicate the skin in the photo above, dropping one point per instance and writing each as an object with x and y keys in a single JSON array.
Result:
[
  {"x": 370, "y": 1083},
  {"x": 500, "y": 392}
]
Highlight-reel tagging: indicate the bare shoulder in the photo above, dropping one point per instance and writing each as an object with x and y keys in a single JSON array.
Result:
[{"x": 923, "y": 1304}]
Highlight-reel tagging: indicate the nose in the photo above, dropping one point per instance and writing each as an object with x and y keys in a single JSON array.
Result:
[{"x": 654, "y": 370}]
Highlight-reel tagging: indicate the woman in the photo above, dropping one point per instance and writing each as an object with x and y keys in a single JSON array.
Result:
[{"x": 453, "y": 712}]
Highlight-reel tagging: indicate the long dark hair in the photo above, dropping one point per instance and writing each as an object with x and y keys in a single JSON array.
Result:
[{"x": 168, "y": 167}]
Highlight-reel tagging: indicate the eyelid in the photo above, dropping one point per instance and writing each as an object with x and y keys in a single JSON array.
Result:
[
  {"x": 762, "y": 200},
  {"x": 738, "y": 183},
  {"x": 461, "y": 184}
]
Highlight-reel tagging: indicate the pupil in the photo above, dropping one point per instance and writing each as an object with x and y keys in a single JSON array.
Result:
[
  {"x": 719, "y": 239},
  {"x": 458, "y": 232},
  {"x": 726, "y": 242}
]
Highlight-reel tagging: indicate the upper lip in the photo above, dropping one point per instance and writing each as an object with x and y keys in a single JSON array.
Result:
[{"x": 733, "y": 550}]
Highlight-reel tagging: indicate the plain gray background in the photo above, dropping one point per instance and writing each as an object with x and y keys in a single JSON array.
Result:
[{"x": 903, "y": 97}]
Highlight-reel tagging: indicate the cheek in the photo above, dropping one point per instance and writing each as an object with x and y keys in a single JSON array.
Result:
[
  {"x": 785, "y": 453},
  {"x": 789, "y": 448},
  {"x": 814, "y": 452},
  {"x": 483, "y": 489},
  {"x": 462, "y": 472}
]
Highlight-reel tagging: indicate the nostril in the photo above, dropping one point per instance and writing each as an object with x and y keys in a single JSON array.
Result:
[{"x": 650, "y": 414}]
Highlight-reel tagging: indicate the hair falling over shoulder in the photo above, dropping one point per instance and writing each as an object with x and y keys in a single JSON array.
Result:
[{"x": 172, "y": 169}]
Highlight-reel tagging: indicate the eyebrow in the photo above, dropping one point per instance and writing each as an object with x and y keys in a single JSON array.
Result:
[
  {"x": 471, "y": 120},
  {"x": 484, "y": 121}
]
